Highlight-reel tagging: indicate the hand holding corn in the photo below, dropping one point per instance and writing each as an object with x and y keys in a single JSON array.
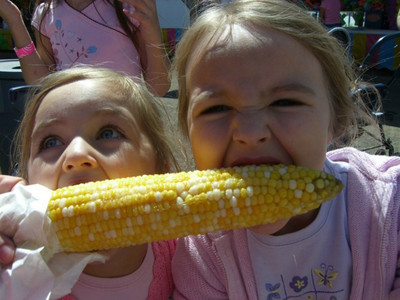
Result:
[{"x": 127, "y": 211}]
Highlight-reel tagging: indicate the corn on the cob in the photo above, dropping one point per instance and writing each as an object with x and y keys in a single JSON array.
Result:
[{"x": 127, "y": 211}]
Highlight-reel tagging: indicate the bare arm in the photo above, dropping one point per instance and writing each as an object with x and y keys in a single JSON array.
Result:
[
  {"x": 33, "y": 67},
  {"x": 153, "y": 56}
]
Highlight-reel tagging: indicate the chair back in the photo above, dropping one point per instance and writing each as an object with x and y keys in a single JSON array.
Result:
[
  {"x": 343, "y": 36},
  {"x": 9, "y": 122},
  {"x": 384, "y": 55}
]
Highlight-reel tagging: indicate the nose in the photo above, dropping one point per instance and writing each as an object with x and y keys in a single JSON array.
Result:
[
  {"x": 78, "y": 155},
  {"x": 251, "y": 129}
]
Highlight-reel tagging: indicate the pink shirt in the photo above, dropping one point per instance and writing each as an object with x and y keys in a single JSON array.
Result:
[
  {"x": 92, "y": 36},
  {"x": 332, "y": 11},
  {"x": 218, "y": 266},
  {"x": 152, "y": 281}
]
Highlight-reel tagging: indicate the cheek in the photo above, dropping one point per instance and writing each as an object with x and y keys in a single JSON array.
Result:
[
  {"x": 305, "y": 139},
  {"x": 131, "y": 162},
  {"x": 208, "y": 144},
  {"x": 41, "y": 173}
]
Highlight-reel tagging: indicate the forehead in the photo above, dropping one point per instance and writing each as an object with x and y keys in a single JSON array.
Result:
[
  {"x": 235, "y": 47},
  {"x": 85, "y": 95},
  {"x": 235, "y": 39}
]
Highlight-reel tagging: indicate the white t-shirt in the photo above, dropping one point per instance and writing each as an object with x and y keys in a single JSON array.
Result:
[{"x": 315, "y": 262}]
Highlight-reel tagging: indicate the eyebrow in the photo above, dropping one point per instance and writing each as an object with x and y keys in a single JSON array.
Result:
[
  {"x": 207, "y": 94},
  {"x": 290, "y": 87},
  {"x": 44, "y": 124},
  {"x": 98, "y": 114},
  {"x": 294, "y": 87},
  {"x": 116, "y": 111}
]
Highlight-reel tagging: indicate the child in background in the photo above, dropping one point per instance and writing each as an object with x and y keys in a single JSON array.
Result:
[
  {"x": 261, "y": 82},
  {"x": 88, "y": 124},
  {"x": 329, "y": 13},
  {"x": 122, "y": 35}
]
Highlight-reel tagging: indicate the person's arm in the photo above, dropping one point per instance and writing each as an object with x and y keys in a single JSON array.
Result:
[
  {"x": 32, "y": 66},
  {"x": 7, "y": 247},
  {"x": 153, "y": 56}
]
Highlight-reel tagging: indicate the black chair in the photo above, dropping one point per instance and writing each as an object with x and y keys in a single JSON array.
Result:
[
  {"x": 18, "y": 96},
  {"x": 374, "y": 68},
  {"x": 9, "y": 123},
  {"x": 343, "y": 36}
]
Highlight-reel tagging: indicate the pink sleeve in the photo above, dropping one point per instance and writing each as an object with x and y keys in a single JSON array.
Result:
[
  {"x": 197, "y": 270},
  {"x": 37, "y": 15},
  {"x": 162, "y": 285}
]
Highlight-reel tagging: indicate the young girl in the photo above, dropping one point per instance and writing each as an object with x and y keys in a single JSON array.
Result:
[
  {"x": 260, "y": 81},
  {"x": 88, "y": 124},
  {"x": 122, "y": 35},
  {"x": 329, "y": 13}
]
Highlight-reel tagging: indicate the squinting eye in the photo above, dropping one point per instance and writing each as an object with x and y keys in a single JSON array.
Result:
[
  {"x": 50, "y": 142},
  {"x": 286, "y": 102},
  {"x": 216, "y": 109},
  {"x": 110, "y": 133}
]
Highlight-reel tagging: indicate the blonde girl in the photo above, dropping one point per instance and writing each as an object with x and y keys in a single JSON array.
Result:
[
  {"x": 261, "y": 82},
  {"x": 90, "y": 124}
]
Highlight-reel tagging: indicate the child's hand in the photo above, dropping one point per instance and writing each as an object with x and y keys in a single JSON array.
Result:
[
  {"x": 7, "y": 250},
  {"x": 145, "y": 12},
  {"x": 7, "y": 183}
]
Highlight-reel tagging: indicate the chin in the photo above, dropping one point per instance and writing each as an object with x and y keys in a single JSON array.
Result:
[{"x": 268, "y": 229}]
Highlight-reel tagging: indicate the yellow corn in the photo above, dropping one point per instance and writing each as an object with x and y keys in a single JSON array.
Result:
[{"x": 127, "y": 211}]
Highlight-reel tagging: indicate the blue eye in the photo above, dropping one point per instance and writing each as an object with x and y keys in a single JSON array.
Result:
[
  {"x": 50, "y": 142},
  {"x": 110, "y": 133}
]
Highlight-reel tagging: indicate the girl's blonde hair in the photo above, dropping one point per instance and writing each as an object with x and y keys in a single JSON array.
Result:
[
  {"x": 287, "y": 18},
  {"x": 141, "y": 103}
]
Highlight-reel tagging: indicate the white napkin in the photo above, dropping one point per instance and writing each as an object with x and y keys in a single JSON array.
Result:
[{"x": 40, "y": 271}]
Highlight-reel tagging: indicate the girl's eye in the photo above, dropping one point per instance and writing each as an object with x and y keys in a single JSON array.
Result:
[
  {"x": 287, "y": 102},
  {"x": 110, "y": 133},
  {"x": 50, "y": 142},
  {"x": 216, "y": 109}
]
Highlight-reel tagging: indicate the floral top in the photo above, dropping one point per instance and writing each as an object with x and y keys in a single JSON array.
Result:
[{"x": 91, "y": 36}]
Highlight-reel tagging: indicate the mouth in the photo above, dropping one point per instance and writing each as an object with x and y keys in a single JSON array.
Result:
[
  {"x": 79, "y": 181},
  {"x": 76, "y": 181},
  {"x": 254, "y": 161}
]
